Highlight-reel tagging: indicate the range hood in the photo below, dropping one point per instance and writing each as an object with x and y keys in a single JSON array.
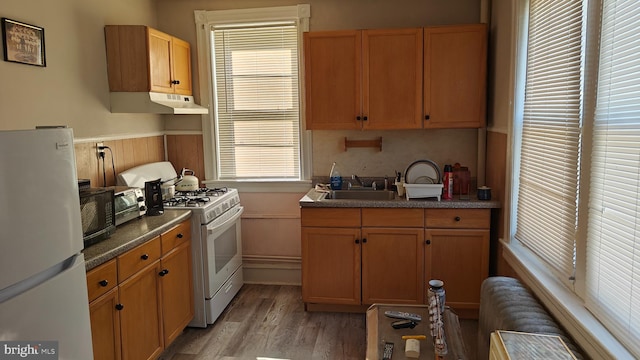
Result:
[{"x": 154, "y": 103}]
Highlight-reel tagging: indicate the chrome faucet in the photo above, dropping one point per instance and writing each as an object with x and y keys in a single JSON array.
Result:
[{"x": 357, "y": 179}]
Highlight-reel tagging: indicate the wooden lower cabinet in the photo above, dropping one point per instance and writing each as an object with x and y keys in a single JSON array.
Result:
[
  {"x": 392, "y": 266},
  {"x": 331, "y": 265},
  {"x": 137, "y": 315},
  {"x": 393, "y": 254},
  {"x": 141, "y": 314},
  {"x": 177, "y": 309},
  {"x": 105, "y": 326},
  {"x": 460, "y": 258}
]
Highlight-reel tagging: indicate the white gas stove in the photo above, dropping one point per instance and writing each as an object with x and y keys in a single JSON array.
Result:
[{"x": 216, "y": 239}]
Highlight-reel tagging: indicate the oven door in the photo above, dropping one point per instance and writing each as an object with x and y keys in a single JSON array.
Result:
[{"x": 223, "y": 249}]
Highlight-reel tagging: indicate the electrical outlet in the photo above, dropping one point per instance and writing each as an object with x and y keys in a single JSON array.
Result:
[{"x": 100, "y": 150}]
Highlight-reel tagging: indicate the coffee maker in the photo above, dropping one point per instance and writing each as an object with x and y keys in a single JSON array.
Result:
[{"x": 153, "y": 197}]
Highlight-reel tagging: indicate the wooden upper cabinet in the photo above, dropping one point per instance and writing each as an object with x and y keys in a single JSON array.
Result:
[
  {"x": 332, "y": 79},
  {"x": 363, "y": 79},
  {"x": 392, "y": 78},
  {"x": 160, "y": 66},
  {"x": 141, "y": 59},
  {"x": 455, "y": 76}
]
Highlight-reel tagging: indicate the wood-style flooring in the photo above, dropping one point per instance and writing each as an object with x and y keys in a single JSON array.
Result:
[{"x": 269, "y": 322}]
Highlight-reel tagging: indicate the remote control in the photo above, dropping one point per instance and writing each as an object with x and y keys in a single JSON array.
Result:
[
  {"x": 387, "y": 352},
  {"x": 402, "y": 324},
  {"x": 403, "y": 315}
]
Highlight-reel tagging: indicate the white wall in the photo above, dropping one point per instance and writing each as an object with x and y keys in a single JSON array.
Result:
[{"x": 72, "y": 89}]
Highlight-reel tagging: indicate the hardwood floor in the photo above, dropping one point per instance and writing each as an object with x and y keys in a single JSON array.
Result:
[{"x": 269, "y": 322}]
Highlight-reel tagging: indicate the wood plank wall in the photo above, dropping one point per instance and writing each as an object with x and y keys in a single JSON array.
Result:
[
  {"x": 186, "y": 151},
  {"x": 126, "y": 154},
  {"x": 496, "y": 173}
]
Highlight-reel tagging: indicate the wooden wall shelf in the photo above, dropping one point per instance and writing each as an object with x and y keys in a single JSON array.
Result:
[{"x": 377, "y": 143}]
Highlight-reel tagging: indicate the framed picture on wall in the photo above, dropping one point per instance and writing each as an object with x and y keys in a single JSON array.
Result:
[{"x": 23, "y": 43}]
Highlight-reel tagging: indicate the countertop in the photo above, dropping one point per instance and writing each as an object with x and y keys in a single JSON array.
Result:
[
  {"x": 132, "y": 234},
  {"x": 316, "y": 199}
]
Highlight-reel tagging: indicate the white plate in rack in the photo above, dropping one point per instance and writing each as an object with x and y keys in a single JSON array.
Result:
[{"x": 422, "y": 172}]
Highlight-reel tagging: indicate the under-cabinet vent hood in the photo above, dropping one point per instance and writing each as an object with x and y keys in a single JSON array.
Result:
[{"x": 154, "y": 103}]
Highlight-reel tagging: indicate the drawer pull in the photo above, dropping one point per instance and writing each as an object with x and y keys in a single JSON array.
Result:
[
  {"x": 180, "y": 236},
  {"x": 103, "y": 283},
  {"x": 457, "y": 218},
  {"x": 119, "y": 306},
  {"x": 144, "y": 257},
  {"x": 163, "y": 272}
]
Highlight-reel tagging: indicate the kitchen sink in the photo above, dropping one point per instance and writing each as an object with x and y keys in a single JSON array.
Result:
[{"x": 360, "y": 195}]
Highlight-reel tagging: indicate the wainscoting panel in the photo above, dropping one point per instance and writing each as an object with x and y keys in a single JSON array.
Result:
[
  {"x": 186, "y": 151},
  {"x": 126, "y": 153}
]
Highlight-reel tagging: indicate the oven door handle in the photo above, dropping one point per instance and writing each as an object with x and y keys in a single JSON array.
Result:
[{"x": 211, "y": 229}]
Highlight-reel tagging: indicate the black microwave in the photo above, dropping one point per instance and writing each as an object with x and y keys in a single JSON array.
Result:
[{"x": 97, "y": 211}]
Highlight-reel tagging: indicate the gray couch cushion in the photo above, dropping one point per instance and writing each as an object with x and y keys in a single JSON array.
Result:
[{"x": 505, "y": 304}]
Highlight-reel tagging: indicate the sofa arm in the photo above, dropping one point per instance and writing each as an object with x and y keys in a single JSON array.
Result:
[{"x": 505, "y": 304}]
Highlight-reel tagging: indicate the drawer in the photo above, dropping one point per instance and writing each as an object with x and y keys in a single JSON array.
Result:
[
  {"x": 102, "y": 279},
  {"x": 176, "y": 236},
  {"x": 458, "y": 218},
  {"x": 392, "y": 217},
  {"x": 330, "y": 217},
  {"x": 137, "y": 258}
]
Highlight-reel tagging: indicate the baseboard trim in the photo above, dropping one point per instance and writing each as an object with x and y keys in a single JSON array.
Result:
[{"x": 272, "y": 270}]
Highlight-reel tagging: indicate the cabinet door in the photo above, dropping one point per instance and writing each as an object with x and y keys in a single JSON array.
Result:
[
  {"x": 455, "y": 76},
  {"x": 392, "y": 78},
  {"x": 460, "y": 258},
  {"x": 105, "y": 326},
  {"x": 140, "y": 316},
  {"x": 332, "y": 80},
  {"x": 160, "y": 61},
  {"x": 392, "y": 265},
  {"x": 181, "y": 62},
  {"x": 177, "y": 291},
  {"x": 331, "y": 265}
]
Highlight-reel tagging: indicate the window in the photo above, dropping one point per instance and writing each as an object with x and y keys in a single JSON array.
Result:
[
  {"x": 254, "y": 57},
  {"x": 576, "y": 163}
]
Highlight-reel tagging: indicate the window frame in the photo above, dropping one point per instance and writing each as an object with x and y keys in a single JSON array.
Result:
[
  {"x": 565, "y": 303},
  {"x": 205, "y": 20}
]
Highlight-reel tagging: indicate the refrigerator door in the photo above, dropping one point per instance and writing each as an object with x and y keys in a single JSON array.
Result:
[
  {"x": 55, "y": 310},
  {"x": 39, "y": 202}
]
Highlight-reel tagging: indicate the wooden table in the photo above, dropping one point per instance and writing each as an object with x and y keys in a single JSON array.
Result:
[{"x": 379, "y": 331}]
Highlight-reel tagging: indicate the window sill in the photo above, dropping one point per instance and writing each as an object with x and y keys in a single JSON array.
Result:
[
  {"x": 565, "y": 306},
  {"x": 300, "y": 186}
]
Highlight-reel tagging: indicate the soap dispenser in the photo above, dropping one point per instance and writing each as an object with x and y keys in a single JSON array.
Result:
[{"x": 336, "y": 179}]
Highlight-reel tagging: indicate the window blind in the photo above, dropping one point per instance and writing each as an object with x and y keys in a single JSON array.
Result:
[
  {"x": 613, "y": 240},
  {"x": 550, "y": 143},
  {"x": 257, "y": 101}
]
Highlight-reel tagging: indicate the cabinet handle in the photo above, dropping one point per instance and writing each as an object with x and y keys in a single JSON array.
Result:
[
  {"x": 163, "y": 272},
  {"x": 457, "y": 218},
  {"x": 357, "y": 241},
  {"x": 364, "y": 118},
  {"x": 103, "y": 283},
  {"x": 364, "y": 240},
  {"x": 175, "y": 82},
  {"x": 428, "y": 242},
  {"x": 358, "y": 118},
  {"x": 144, "y": 257},
  {"x": 119, "y": 306},
  {"x": 180, "y": 236},
  {"x": 426, "y": 117}
]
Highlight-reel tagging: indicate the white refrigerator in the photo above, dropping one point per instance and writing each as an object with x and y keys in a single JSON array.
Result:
[{"x": 43, "y": 290}]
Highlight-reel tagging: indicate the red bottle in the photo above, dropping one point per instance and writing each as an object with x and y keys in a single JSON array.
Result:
[{"x": 447, "y": 180}]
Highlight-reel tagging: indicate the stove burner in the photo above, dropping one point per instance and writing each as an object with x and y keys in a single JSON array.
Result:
[{"x": 202, "y": 192}]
